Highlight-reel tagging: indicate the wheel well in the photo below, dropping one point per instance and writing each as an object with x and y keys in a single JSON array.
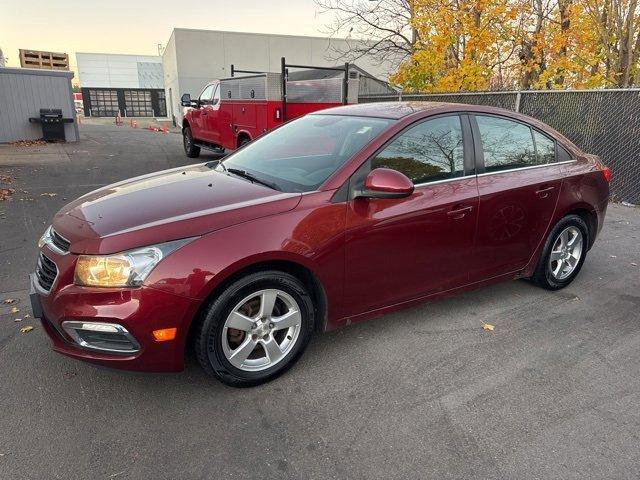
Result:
[
  {"x": 590, "y": 219},
  {"x": 242, "y": 136},
  {"x": 185, "y": 124},
  {"x": 302, "y": 273}
]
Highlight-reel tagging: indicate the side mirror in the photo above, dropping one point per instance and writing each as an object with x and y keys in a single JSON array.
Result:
[
  {"x": 185, "y": 100},
  {"x": 386, "y": 183}
]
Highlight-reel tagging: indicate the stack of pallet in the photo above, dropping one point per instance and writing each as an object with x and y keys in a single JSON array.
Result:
[{"x": 44, "y": 60}]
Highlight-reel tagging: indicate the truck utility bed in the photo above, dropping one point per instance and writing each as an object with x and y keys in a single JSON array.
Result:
[{"x": 241, "y": 108}]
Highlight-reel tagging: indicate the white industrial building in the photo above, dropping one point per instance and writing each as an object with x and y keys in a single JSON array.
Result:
[
  {"x": 151, "y": 86},
  {"x": 192, "y": 58},
  {"x": 132, "y": 85}
]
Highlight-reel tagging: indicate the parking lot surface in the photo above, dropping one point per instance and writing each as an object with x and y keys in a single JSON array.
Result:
[{"x": 552, "y": 392}]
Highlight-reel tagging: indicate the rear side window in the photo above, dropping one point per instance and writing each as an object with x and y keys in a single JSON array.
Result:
[
  {"x": 505, "y": 144},
  {"x": 216, "y": 96},
  {"x": 545, "y": 148},
  {"x": 563, "y": 155},
  {"x": 430, "y": 151}
]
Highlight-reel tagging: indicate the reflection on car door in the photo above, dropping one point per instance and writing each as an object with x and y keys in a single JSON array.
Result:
[
  {"x": 399, "y": 249},
  {"x": 519, "y": 183}
]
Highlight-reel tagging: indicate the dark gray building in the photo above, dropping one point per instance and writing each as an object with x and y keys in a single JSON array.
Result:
[{"x": 23, "y": 92}]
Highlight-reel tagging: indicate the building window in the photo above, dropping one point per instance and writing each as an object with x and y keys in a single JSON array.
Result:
[
  {"x": 104, "y": 103},
  {"x": 138, "y": 103}
]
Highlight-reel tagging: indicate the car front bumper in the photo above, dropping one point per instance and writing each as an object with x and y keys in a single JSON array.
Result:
[{"x": 135, "y": 313}]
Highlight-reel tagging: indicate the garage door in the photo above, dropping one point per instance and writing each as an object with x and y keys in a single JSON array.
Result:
[{"x": 104, "y": 103}]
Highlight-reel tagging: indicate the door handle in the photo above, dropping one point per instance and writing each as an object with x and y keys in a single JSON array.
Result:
[
  {"x": 544, "y": 192},
  {"x": 204, "y": 114},
  {"x": 459, "y": 213}
]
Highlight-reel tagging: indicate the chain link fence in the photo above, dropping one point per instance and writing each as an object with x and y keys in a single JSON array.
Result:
[{"x": 603, "y": 122}]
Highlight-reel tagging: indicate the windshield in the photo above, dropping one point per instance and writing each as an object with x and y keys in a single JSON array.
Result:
[{"x": 301, "y": 155}]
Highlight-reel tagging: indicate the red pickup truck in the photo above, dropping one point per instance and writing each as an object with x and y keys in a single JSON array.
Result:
[{"x": 233, "y": 111}]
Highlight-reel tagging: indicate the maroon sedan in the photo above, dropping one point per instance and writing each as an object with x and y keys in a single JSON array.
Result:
[{"x": 331, "y": 219}]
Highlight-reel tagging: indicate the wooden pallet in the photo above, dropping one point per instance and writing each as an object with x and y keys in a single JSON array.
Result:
[{"x": 44, "y": 60}]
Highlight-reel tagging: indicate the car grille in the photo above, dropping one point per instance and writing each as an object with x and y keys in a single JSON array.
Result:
[
  {"x": 46, "y": 271},
  {"x": 60, "y": 242}
]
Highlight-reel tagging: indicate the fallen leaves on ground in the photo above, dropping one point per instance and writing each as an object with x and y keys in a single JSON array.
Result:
[
  {"x": 28, "y": 143},
  {"x": 6, "y": 179},
  {"x": 15, "y": 310},
  {"x": 6, "y": 193},
  {"x": 26, "y": 329},
  {"x": 9, "y": 301},
  {"x": 488, "y": 326},
  {"x": 48, "y": 194}
]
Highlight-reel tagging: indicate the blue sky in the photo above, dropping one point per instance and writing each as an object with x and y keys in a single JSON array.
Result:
[{"x": 119, "y": 26}]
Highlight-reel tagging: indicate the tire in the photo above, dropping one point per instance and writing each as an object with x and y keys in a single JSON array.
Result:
[
  {"x": 243, "y": 142},
  {"x": 221, "y": 348},
  {"x": 190, "y": 149},
  {"x": 557, "y": 273}
]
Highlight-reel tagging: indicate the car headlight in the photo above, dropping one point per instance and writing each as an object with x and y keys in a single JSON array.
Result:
[{"x": 126, "y": 269}]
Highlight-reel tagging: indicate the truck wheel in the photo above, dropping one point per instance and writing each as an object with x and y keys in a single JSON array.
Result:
[
  {"x": 243, "y": 141},
  {"x": 255, "y": 329},
  {"x": 190, "y": 149},
  {"x": 564, "y": 253}
]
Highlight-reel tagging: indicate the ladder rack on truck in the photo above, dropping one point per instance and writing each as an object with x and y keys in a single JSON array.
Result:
[{"x": 240, "y": 108}]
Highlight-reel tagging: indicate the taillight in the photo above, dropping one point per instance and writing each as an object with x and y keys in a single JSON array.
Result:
[{"x": 606, "y": 173}]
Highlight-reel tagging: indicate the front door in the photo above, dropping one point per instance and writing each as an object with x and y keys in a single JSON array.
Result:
[
  {"x": 211, "y": 118},
  {"x": 519, "y": 183},
  {"x": 198, "y": 113},
  {"x": 399, "y": 249}
]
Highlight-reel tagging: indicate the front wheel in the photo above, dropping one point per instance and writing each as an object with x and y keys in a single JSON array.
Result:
[
  {"x": 255, "y": 329},
  {"x": 192, "y": 151},
  {"x": 564, "y": 253}
]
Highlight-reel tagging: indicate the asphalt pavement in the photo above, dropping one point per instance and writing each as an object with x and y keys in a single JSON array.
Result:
[{"x": 552, "y": 392}]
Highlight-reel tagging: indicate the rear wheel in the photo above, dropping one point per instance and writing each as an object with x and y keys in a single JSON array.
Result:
[
  {"x": 564, "y": 253},
  {"x": 190, "y": 149},
  {"x": 255, "y": 329}
]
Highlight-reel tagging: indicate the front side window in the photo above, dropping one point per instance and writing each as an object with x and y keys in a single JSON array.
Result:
[
  {"x": 430, "y": 151},
  {"x": 205, "y": 96},
  {"x": 302, "y": 154},
  {"x": 506, "y": 144}
]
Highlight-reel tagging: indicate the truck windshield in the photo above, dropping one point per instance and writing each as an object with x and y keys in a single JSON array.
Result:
[{"x": 301, "y": 155}]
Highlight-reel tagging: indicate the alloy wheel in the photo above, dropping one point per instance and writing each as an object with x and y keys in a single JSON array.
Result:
[
  {"x": 261, "y": 330},
  {"x": 566, "y": 253}
]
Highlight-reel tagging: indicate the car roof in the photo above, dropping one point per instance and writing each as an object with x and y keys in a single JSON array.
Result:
[
  {"x": 418, "y": 109},
  {"x": 393, "y": 110}
]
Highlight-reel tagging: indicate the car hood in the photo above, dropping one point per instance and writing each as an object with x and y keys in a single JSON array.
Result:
[{"x": 164, "y": 206}]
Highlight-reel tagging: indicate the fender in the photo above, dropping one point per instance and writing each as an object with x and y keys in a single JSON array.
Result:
[{"x": 311, "y": 236}]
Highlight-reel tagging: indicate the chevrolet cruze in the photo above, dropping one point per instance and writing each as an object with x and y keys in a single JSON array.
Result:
[{"x": 333, "y": 218}]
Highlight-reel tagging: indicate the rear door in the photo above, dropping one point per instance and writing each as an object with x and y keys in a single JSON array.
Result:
[
  {"x": 519, "y": 183},
  {"x": 399, "y": 249}
]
